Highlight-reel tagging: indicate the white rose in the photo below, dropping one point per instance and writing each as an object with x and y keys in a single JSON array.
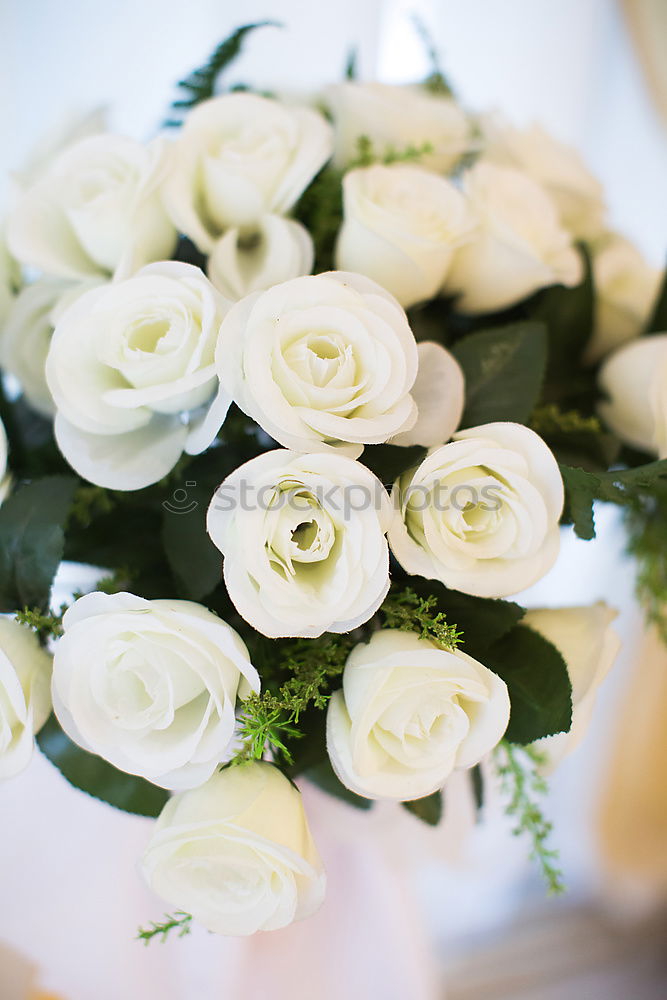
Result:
[
  {"x": 130, "y": 369},
  {"x": 25, "y": 341},
  {"x": 25, "y": 702},
  {"x": 626, "y": 287},
  {"x": 254, "y": 258},
  {"x": 150, "y": 686},
  {"x": 394, "y": 118},
  {"x": 238, "y": 157},
  {"x": 519, "y": 245},
  {"x": 327, "y": 362},
  {"x": 589, "y": 645},
  {"x": 96, "y": 210},
  {"x": 634, "y": 379},
  {"x": 237, "y": 853},
  {"x": 481, "y": 514},
  {"x": 409, "y": 712},
  {"x": 9, "y": 281},
  {"x": 303, "y": 540},
  {"x": 576, "y": 192},
  {"x": 400, "y": 227}
]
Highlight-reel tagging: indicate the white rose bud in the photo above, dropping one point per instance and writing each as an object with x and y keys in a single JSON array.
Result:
[
  {"x": 25, "y": 701},
  {"x": 254, "y": 258},
  {"x": 150, "y": 686},
  {"x": 303, "y": 541},
  {"x": 395, "y": 118},
  {"x": 481, "y": 514},
  {"x": 327, "y": 362},
  {"x": 626, "y": 288},
  {"x": 237, "y": 853},
  {"x": 589, "y": 645},
  {"x": 238, "y": 157},
  {"x": 576, "y": 192},
  {"x": 409, "y": 712},
  {"x": 131, "y": 372},
  {"x": 400, "y": 227},
  {"x": 96, "y": 210},
  {"x": 634, "y": 379},
  {"x": 519, "y": 245}
]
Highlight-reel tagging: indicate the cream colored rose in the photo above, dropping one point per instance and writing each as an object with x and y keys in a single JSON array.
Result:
[
  {"x": 626, "y": 288},
  {"x": 400, "y": 227},
  {"x": 481, "y": 514},
  {"x": 589, "y": 645},
  {"x": 131, "y": 371},
  {"x": 328, "y": 362},
  {"x": 576, "y": 192},
  {"x": 96, "y": 210},
  {"x": 409, "y": 712},
  {"x": 26, "y": 338},
  {"x": 395, "y": 118},
  {"x": 519, "y": 244},
  {"x": 237, "y": 853},
  {"x": 25, "y": 702},
  {"x": 150, "y": 686},
  {"x": 239, "y": 157},
  {"x": 634, "y": 380},
  {"x": 253, "y": 259},
  {"x": 303, "y": 541}
]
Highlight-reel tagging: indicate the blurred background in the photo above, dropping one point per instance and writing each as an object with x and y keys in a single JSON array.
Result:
[{"x": 457, "y": 912}]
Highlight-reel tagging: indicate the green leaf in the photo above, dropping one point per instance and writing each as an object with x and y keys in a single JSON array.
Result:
[
  {"x": 95, "y": 776},
  {"x": 477, "y": 780},
  {"x": 482, "y": 620},
  {"x": 324, "y": 777},
  {"x": 428, "y": 809},
  {"x": 32, "y": 540},
  {"x": 538, "y": 683},
  {"x": 568, "y": 316},
  {"x": 200, "y": 84},
  {"x": 580, "y": 491},
  {"x": 658, "y": 321},
  {"x": 503, "y": 369},
  {"x": 192, "y": 556},
  {"x": 389, "y": 461},
  {"x": 621, "y": 486}
]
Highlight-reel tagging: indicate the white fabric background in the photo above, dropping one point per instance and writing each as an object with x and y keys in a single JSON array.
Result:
[{"x": 70, "y": 896}]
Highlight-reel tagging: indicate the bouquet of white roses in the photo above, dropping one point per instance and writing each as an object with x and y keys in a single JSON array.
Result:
[{"x": 315, "y": 387}]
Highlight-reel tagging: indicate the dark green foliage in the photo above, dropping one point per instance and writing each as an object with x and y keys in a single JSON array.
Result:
[
  {"x": 538, "y": 683},
  {"x": 98, "y": 778},
  {"x": 428, "y": 809},
  {"x": 32, "y": 540},
  {"x": 200, "y": 84},
  {"x": 620, "y": 486},
  {"x": 504, "y": 369},
  {"x": 658, "y": 320}
]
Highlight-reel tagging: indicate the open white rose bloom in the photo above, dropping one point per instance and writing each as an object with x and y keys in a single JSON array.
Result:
[
  {"x": 481, "y": 513},
  {"x": 150, "y": 685},
  {"x": 130, "y": 368},
  {"x": 313, "y": 387}
]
